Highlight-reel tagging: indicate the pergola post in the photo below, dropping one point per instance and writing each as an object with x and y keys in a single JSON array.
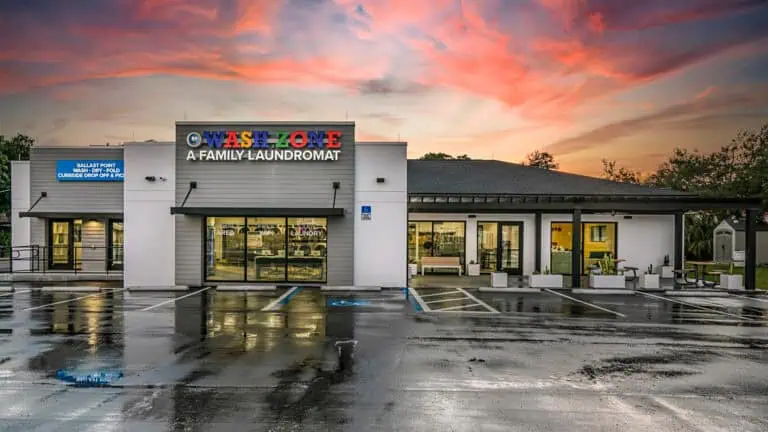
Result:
[
  {"x": 576, "y": 250},
  {"x": 750, "y": 251},
  {"x": 538, "y": 242},
  {"x": 677, "y": 259}
]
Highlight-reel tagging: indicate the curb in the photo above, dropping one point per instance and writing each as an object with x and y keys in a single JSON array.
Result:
[
  {"x": 510, "y": 290},
  {"x": 696, "y": 293},
  {"x": 243, "y": 288},
  {"x": 69, "y": 289},
  {"x": 603, "y": 291},
  {"x": 158, "y": 288},
  {"x": 349, "y": 288}
]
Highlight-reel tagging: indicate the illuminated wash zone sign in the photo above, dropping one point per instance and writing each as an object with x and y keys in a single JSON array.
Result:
[{"x": 259, "y": 145}]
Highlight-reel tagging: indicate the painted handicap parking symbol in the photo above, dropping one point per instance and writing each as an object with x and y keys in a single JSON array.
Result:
[
  {"x": 347, "y": 303},
  {"x": 85, "y": 379}
]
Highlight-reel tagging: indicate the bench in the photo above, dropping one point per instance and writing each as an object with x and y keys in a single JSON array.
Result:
[{"x": 440, "y": 263}]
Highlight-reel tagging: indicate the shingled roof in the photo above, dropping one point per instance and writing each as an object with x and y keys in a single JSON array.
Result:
[{"x": 489, "y": 177}]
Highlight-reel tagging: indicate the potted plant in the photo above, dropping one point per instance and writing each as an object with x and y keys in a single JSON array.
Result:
[
  {"x": 730, "y": 280},
  {"x": 546, "y": 279},
  {"x": 649, "y": 279},
  {"x": 608, "y": 276},
  {"x": 667, "y": 271},
  {"x": 413, "y": 269},
  {"x": 473, "y": 269}
]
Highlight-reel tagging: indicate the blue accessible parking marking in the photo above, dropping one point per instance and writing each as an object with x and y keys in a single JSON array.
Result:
[{"x": 347, "y": 303}]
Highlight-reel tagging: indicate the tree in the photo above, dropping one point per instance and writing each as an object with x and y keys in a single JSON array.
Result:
[
  {"x": 738, "y": 169},
  {"x": 443, "y": 156},
  {"x": 16, "y": 148},
  {"x": 541, "y": 160},
  {"x": 620, "y": 174}
]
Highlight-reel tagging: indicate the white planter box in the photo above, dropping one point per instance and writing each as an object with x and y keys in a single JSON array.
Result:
[
  {"x": 731, "y": 282},
  {"x": 546, "y": 281},
  {"x": 412, "y": 270},
  {"x": 604, "y": 281},
  {"x": 498, "y": 280},
  {"x": 667, "y": 272},
  {"x": 473, "y": 269},
  {"x": 649, "y": 281}
]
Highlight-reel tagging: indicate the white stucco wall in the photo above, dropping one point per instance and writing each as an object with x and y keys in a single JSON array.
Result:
[
  {"x": 21, "y": 228},
  {"x": 381, "y": 242},
  {"x": 149, "y": 226},
  {"x": 529, "y": 233},
  {"x": 642, "y": 240}
]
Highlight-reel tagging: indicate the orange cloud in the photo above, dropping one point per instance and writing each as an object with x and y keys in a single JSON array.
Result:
[{"x": 596, "y": 22}]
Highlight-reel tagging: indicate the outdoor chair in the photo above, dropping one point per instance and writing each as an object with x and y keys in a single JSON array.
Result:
[
  {"x": 717, "y": 274},
  {"x": 681, "y": 278},
  {"x": 625, "y": 269}
]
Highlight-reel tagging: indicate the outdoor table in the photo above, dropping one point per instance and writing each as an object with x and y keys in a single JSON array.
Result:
[{"x": 700, "y": 267}]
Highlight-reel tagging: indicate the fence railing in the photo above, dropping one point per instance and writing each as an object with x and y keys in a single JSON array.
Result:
[{"x": 61, "y": 259}]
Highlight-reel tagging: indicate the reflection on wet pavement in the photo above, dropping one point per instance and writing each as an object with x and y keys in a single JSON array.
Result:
[{"x": 337, "y": 361}]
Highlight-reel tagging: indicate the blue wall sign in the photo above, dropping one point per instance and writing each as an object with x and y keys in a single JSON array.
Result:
[
  {"x": 90, "y": 170},
  {"x": 365, "y": 212}
]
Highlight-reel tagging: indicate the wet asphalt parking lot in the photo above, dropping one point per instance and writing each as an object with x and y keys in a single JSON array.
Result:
[{"x": 224, "y": 361}]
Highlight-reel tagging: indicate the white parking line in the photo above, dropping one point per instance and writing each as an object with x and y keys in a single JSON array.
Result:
[
  {"x": 73, "y": 299},
  {"x": 440, "y": 294},
  {"x": 419, "y": 300},
  {"x": 8, "y": 294},
  {"x": 585, "y": 303},
  {"x": 174, "y": 299},
  {"x": 750, "y": 298},
  {"x": 277, "y": 301},
  {"x": 697, "y": 306},
  {"x": 478, "y": 300}
]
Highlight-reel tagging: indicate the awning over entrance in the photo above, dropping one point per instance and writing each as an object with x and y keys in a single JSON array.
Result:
[
  {"x": 257, "y": 211},
  {"x": 52, "y": 214}
]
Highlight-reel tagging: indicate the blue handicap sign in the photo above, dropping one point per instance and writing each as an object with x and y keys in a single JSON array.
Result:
[
  {"x": 366, "y": 209},
  {"x": 101, "y": 378},
  {"x": 346, "y": 303}
]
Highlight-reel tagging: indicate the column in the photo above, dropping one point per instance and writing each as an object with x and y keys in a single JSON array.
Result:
[
  {"x": 750, "y": 251},
  {"x": 576, "y": 250},
  {"x": 537, "y": 228}
]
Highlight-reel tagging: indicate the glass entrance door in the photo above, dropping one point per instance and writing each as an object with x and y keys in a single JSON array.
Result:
[
  {"x": 115, "y": 242},
  {"x": 510, "y": 248},
  {"x": 60, "y": 254}
]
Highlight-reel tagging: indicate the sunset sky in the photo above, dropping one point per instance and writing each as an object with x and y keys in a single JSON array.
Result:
[{"x": 583, "y": 79}]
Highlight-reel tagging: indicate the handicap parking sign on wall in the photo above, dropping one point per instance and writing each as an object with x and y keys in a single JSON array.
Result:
[{"x": 365, "y": 212}]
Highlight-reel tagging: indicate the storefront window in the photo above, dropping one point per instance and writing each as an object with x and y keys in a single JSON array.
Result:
[
  {"x": 115, "y": 245},
  {"x": 419, "y": 241},
  {"x": 487, "y": 244},
  {"x": 307, "y": 244},
  {"x": 266, "y": 249},
  {"x": 598, "y": 241},
  {"x": 443, "y": 239},
  {"x": 449, "y": 239},
  {"x": 225, "y": 239}
]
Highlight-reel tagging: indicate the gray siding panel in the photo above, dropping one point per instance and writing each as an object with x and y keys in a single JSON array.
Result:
[
  {"x": 266, "y": 184},
  {"x": 70, "y": 196}
]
